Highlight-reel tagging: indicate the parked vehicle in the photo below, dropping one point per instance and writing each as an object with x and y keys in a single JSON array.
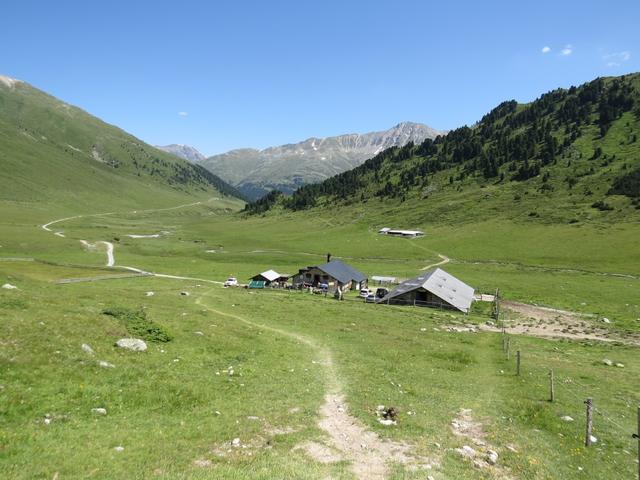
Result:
[
  {"x": 365, "y": 292},
  {"x": 371, "y": 298},
  {"x": 231, "y": 282},
  {"x": 381, "y": 292}
]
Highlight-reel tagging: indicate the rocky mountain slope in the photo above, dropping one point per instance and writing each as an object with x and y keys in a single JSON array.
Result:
[
  {"x": 286, "y": 167},
  {"x": 186, "y": 152},
  {"x": 51, "y": 151}
]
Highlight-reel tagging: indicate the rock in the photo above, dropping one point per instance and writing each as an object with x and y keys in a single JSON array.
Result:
[
  {"x": 620, "y": 365},
  {"x": 8, "y": 286},
  {"x": 511, "y": 448},
  {"x": 606, "y": 320},
  {"x": 185, "y": 294},
  {"x": 606, "y": 361},
  {"x": 198, "y": 333},
  {"x": 104, "y": 364},
  {"x": 119, "y": 448},
  {"x": 134, "y": 344},
  {"x": 150, "y": 294},
  {"x": 253, "y": 418},
  {"x": 566, "y": 418},
  {"x": 99, "y": 411},
  {"x": 492, "y": 457},
  {"x": 466, "y": 451},
  {"x": 423, "y": 329},
  {"x": 235, "y": 442},
  {"x": 87, "y": 349},
  {"x": 593, "y": 439},
  {"x": 430, "y": 477},
  {"x": 386, "y": 422},
  {"x": 202, "y": 463}
]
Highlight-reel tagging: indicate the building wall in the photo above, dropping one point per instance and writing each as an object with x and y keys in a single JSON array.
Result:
[{"x": 421, "y": 298}]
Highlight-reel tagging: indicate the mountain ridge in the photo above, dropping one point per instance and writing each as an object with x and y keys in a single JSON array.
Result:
[
  {"x": 186, "y": 152},
  {"x": 53, "y": 151},
  {"x": 255, "y": 172},
  {"x": 571, "y": 155}
]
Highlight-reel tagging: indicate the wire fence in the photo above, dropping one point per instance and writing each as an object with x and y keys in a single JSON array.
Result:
[{"x": 622, "y": 428}]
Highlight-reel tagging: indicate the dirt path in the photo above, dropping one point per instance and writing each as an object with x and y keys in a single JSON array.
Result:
[
  {"x": 111, "y": 261},
  {"x": 444, "y": 261},
  {"x": 545, "y": 322},
  {"x": 347, "y": 438}
]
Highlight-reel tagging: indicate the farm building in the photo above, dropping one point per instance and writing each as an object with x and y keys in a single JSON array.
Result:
[
  {"x": 334, "y": 274},
  {"x": 382, "y": 280},
  {"x": 435, "y": 288},
  {"x": 401, "y": 233},
  {"x": 268, "y": 278}
]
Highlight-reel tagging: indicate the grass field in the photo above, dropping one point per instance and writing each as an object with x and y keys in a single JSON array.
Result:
[{"x": 175, "y": 409}]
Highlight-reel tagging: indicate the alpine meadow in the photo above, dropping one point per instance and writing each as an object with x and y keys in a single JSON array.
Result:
[{"x": 412, "y": 303}]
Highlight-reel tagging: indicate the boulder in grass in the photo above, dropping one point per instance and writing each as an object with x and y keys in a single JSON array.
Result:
[
  {"x": 87, "y": 349},
  {"x": 133, "y": 344},
  {"x": 104, "y": 364},
  {"x": 8, "y": 286}
]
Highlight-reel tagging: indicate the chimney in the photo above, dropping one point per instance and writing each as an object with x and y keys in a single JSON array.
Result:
[{"x": 328, "y": 257}]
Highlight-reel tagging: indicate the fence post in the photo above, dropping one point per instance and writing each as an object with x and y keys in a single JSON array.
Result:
[
  {"x": 508, "y": 348},
  {"x": 637, "y": 435},
  {"x": 551, "y": 387},
  {"x": 518, "y": 362},
  {"x": 587, "y": 440}
]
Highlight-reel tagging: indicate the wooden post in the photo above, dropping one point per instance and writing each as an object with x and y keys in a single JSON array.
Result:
[
  {"x": 508, "y": 348},
  {"x": 552, "y": 392},
  {"x": 496, "y": 299},
  {"x": 637, "y": 435},
  {"x": 518, "y": 362},
  {"x": 587, "y": 440}
]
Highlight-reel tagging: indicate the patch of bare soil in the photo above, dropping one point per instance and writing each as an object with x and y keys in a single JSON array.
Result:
[
  {"x": 369, "y": 455},
  {"x": 547, "y": 322},
  {"x": 483, "y": 455}
]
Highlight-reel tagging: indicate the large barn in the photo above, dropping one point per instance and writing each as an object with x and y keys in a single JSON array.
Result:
[
  {"x": 333, "y": 274},
  {"x": 435, "y": 288}
]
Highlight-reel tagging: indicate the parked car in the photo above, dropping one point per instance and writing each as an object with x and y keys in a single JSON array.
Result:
[
  {"x": 231, "y": 282},
  {"x": 365, "y": 292},
  {"x": 381, "y": 292},
  {"x": 371, "y": 298}
]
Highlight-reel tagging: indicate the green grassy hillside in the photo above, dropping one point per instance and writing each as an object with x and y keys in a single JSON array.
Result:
[
  {"x": 571, "y": 156},
  {"x": 55, "y": 153}
]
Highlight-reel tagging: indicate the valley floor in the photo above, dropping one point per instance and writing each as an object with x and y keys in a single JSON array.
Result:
[{"x": 274, "y": 384}]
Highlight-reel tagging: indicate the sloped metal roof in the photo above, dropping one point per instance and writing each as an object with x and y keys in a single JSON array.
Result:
[
  {"x": 342, "y": 272},
  {"x": 440, "y": 283},
  {"x": 270, "y": 275}
]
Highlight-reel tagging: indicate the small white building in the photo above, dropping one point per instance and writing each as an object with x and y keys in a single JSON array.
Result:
[{"x": 401, "y": 233}]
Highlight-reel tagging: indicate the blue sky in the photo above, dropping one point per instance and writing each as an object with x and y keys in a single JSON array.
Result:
[{"x": 226, "y": 74}]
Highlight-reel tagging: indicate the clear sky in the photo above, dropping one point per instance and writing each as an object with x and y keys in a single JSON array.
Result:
[{"x": 225, "y": 74}]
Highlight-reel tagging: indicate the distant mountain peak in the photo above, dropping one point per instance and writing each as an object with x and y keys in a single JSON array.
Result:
[
  {"x": 287, "y": 167},
  {"x": 186, "y": 152}
]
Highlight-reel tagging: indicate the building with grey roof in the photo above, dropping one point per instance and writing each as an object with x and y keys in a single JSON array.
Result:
[
  {"x": 435, "y": 288},
  {"x": 334, "y": 273}
]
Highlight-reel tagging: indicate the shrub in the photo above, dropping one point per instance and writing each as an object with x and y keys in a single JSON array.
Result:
[
  {"x": 138, "y": 325},
  {"x": 602, "y": 206}
]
